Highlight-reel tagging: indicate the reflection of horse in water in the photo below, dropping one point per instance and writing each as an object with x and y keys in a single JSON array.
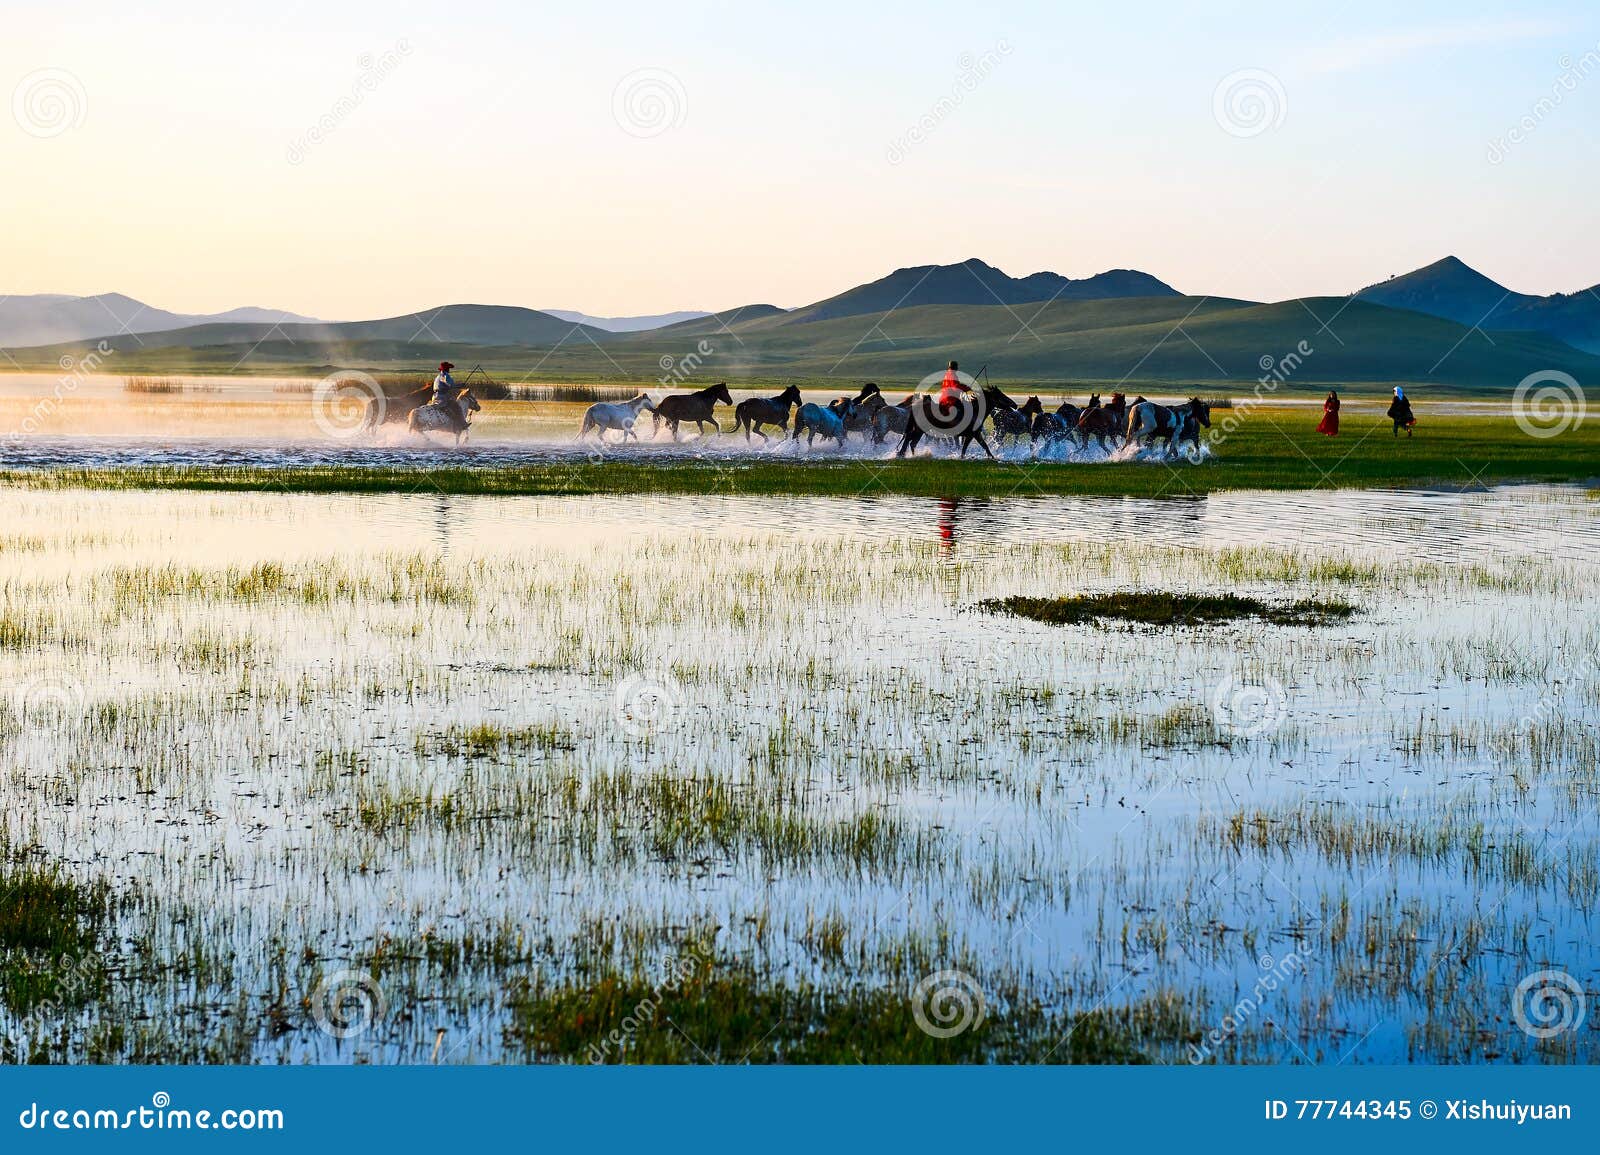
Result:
[{"x": 447, "y": 416}]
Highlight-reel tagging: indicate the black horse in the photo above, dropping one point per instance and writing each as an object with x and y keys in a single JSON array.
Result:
[
  {"x": 696, "y": 407},
  {"x": 962, "y": 421},
  {"x": 755, "y": 412},
  {"x": 1017, "y": 423}
]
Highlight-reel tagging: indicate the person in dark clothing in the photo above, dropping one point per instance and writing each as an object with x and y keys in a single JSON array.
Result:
[{"x": 1400, "y": 412}]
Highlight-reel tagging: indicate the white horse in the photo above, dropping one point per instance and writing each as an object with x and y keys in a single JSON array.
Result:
[
  {"x": 1148, "y": 422},
  {"x": 827, "y": 422},
  {"x": 604, "y": 415},
  {"x": 450, "y": 416}
]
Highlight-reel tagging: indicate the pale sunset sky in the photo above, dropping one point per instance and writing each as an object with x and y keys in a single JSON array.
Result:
[{"x": 643, "y": 157}]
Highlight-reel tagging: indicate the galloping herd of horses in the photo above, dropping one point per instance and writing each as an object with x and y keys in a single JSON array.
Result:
[{"x": 1140, "y": 422}]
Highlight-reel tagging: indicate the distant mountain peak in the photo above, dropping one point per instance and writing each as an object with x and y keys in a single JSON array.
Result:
[{"x": 976, "y": 282}]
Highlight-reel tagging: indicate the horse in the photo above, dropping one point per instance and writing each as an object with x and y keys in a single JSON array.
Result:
[
  {"x": 1148, "y": 421},
  {"x": 1016, "y": 423},
  {"x": 816, "y": 419},
  {"x": 452, "y": 416},
  {"x": 962, "y": 421},
  {"x": 614, "y": 415},
  {"x": 394, "y": 410},
  {"x": 696, "y": 407},
  {"x": 1055, "y": 427},
  {"x": 755, "y": 412},
  {"x": 891, "y": 419},
  {"x": 1103, "y": 421},
  {"x": 865, "y": 408}
]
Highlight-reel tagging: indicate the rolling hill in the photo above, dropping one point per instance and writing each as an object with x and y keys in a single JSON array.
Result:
[
  {"x": 1452, "y": 289},
  {"x": 1080, "y": 331},
  {"x": 972, "y": 282},
  {"x": 49, "y": 318}
]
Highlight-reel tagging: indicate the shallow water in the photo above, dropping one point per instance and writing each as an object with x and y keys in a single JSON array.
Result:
[{"x": 215, "y": 739}]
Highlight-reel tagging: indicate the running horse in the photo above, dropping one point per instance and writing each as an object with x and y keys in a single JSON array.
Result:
[
  {"x": 962, "y": 421},
  {"x": 862, "y": 409},
  {"x": 696, "y": 407},
  {"x": 384, "y": 410},
  {"x": 617, "y": 415},
  {"x": 1102, "y": 421},
  {"x": 1148, "y": 422},
  {"x": 1017, "y": 423},
  {"x": 753, "y": 413},
  {"x": 451, "y": 416}
]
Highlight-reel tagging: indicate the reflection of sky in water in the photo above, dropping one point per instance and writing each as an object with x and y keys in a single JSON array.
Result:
[{"x": 870, "y": 589}]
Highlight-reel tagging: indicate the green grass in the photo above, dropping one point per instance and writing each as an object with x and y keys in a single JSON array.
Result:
[
  {"x": 1270, "y": 449},
  {"x": 1169, "y": 609},
  {"x": 732, "y": 1016},
  {"x": 50, "y": 928}
]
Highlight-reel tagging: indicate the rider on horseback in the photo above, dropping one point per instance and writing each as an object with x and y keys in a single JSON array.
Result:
[
  {"x": 952, "y": 389},
  {"x": 444, "y": 386}
]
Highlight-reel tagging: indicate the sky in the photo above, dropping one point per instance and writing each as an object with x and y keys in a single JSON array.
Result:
[{"x": 369, "y": 159}]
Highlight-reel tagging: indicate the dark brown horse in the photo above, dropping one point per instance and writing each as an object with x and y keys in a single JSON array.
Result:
[
  {"x": 1103, "y": 421},
  {"x": 755, "y": 412},
  {"x": 696, "y": 407},
  {"x": 396, "y": 410},
  {"x": 962, "y": 421}
]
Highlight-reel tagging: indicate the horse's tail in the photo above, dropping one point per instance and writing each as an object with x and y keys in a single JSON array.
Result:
[{"x": 588, "y": 424}]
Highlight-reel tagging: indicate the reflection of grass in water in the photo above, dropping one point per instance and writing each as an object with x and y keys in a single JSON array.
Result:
[
  {"x": 1169, "y": 609},
  {"x": 833, "y": 745},
  {"x": 50, "y": 928},
  {"x": 733, "y": 1014}
]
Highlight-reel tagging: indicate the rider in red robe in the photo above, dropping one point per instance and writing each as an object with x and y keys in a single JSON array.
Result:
[
  {"x": 1330, "y": 415},
  {"x": 951, "y": 389}
]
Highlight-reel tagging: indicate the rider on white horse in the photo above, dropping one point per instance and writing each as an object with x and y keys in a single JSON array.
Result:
[{"x": 444, "y": 386}]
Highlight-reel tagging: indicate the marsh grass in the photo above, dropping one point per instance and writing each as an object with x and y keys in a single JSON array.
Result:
[
  {"x": 50, "y": 937},
  {"x": 1169, "y": 609},
  {"x": 731, "y": 1014}
]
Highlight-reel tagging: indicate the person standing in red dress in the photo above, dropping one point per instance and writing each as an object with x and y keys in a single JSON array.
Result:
[{"x": 1330, "y": 415}]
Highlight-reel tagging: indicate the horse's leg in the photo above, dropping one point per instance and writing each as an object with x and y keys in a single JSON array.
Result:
[{"x": 978, "y": 435}]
